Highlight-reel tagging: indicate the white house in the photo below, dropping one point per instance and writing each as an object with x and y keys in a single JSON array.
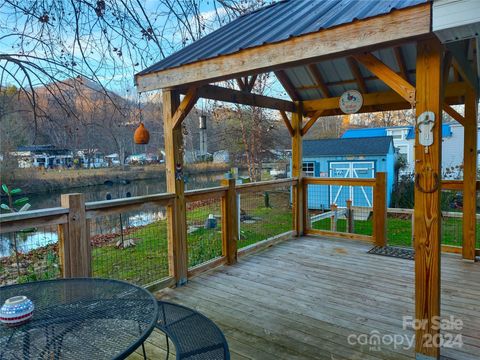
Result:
[{"x": 404, "y": 142}]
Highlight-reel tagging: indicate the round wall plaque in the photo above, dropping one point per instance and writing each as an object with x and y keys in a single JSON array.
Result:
[{"x": 351, "y": 101}]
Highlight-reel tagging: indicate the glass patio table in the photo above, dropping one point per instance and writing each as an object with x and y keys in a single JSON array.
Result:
[{"x": 79, "y": 319}]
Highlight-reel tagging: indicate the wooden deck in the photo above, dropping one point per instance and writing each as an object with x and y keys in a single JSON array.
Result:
[{"x": 301, "y": 299}]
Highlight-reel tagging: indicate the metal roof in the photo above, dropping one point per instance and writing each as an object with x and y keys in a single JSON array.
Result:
[
  {"x": 278, "y": 22},
  {"x": 380, "y": 145}
]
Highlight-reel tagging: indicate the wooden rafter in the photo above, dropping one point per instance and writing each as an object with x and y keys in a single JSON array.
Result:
[
  {"x": 388, "y": 76},
  {"x": 287, "y": 85},
  {"x": 240, "y": 83},
  {"x": 345, "y": 82},
  {"x": 319, "y": 80},
  {"x": 393, "y": 28},
  {"x": 219, "y": 93},
  {"x": 397, "y": 50},
  {"x": 311, "y": 122},
  {"x": 454, "y": 114},
  {"x": 185, "y": 106},
  {"x": 287, "y": 123},
  {"x": 251, "y": 82},
  {"x": 461, "y": 63},
  {"x": 352, "y": 64}
]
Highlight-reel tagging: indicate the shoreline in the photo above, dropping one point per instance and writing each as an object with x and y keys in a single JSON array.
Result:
[{"x": 36, "y": 181}]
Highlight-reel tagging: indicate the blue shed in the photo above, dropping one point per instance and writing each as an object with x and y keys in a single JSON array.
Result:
[{"x": 347, "y": 158}]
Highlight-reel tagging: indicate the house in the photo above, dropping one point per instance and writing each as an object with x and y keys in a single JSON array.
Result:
[
  {"x": 347, "y": 158},
  {"x": 47, "y": 156},
  {"x": 404, "y": 142}
]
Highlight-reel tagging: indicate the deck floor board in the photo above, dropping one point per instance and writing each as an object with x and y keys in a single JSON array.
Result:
[{"x": 302, "y": 298}]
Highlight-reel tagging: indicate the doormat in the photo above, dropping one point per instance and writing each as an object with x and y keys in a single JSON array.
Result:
[{"x": 392, "y": 251}]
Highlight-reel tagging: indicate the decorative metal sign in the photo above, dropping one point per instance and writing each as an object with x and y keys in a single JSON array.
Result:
[{"x": 351, "y": 101}]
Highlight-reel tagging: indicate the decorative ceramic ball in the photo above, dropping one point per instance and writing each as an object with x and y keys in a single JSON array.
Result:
[
  {"x": 141, "y": 135},
  {"x": 16, "y": 311}
]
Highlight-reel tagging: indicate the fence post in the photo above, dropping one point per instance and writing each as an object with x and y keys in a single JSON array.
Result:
[
  {"x": 349, "y": 217},
  {"x": 229, "y": 222},
  {"x": 74, "y": 240},
  {"x": 380, "y": 209},
  {"x": 333, "y": 218}
]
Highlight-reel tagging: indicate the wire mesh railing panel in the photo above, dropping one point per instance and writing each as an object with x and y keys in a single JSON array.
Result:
[
  {"x": 204, "y": 231},
  {"x": 264, "y": 215},
  {"x": 29, "y": 255},
  {"x": 130, "y": 246},
  {"x": 451, "y": 203},
  {"x": 340, "y": 208},
  {"x": 399, "y": 227}
]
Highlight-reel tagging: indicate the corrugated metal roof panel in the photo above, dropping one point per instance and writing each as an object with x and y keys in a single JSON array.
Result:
[{"x": 278, "y": 22}]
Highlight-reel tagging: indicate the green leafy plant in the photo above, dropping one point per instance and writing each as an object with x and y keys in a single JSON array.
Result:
[{"x": 14, "y": 206}]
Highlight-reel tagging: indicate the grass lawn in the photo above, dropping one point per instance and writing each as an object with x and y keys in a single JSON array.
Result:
[
  {"x": 399, "y": 230},
  {"x": 147, "y": 261}
]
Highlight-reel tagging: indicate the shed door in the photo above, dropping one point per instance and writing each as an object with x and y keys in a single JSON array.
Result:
[{"x": 360, "y": 195}]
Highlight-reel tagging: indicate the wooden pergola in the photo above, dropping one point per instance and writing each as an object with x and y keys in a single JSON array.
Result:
[{"x": 394, "y": 59}]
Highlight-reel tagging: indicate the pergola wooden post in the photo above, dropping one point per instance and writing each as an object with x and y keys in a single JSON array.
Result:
[
  {"x": 298, "y": 201},
  {"x": 427, "y": 235},
  {"x": 176, "y": 214},
  {"x": 470, "y": 175}
]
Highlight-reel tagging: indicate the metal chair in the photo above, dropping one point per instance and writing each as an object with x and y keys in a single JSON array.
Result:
[{"x": 194, "y": 335}]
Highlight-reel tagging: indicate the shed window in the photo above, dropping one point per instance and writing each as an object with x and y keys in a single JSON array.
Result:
[{"x": 309, "y": 168}]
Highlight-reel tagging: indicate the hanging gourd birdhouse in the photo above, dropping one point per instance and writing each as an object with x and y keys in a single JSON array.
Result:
[{"x": 141, "y": 135}]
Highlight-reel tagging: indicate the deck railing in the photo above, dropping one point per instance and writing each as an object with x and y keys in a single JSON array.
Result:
[
  {"x": 347, "y": 208},
  {"x": 128, "y": 238}
]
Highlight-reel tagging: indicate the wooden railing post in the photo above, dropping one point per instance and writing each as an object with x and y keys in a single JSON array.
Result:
[
  {"x": 229, "y": 222},
  {"x": 74, "y": 240},
  {"x": 333, "y": 218},
  {"x": 297, "y": 163},
  {"x": 349, "y": 217},
  {"x": 380, "y": 209},
  {"x": 470, "y": 176},
  {"x": 176, "y": 214}
]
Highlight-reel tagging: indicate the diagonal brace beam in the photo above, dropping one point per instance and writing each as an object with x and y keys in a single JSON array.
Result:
[
  {"x": 388, "y": 76},
  {"x": 185, "y": 106}
]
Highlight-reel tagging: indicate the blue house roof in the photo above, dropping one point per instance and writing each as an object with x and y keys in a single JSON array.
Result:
[
  {"x": 382, "y": 131},
  {"x": 380, "y": 145}
]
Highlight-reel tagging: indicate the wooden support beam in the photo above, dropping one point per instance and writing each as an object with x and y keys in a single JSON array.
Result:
[
  {"x": 74, "y": 243},
  {"x": 287, "y": 85},
  {"x": 459, "y": 50},
  {"x": 392, "y": 28},
  {"x": 381, "y": 99},
  {"x": 388, "y": 76},
  {"x": 380, "y": 209},
  {"x": 397, "y": 50},
  {"x": 427, "y": 213},
  {"x": 287, "y": 123},
  {"x": 251, "y": 83},
  {"x": 311, "y": 122},
  {"x": 229, "y": 222},
  {"x": 297, "y": 165},
  {"x": 176, "y": 214},
  {"x": 470, "y": 175},
  {"x": 185, "y": 107},
  {"x": 319, "y": 80},
  {"x": 240, "y": 83},
  {"x": 219, "y": 93},
  {"x": 454, "y": 114},
  {"x": 352, "y": 64}
]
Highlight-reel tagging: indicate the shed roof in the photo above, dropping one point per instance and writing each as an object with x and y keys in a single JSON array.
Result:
[
  {"x": 277, "y": 22},
  {"x": 378, "y": 145}
]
